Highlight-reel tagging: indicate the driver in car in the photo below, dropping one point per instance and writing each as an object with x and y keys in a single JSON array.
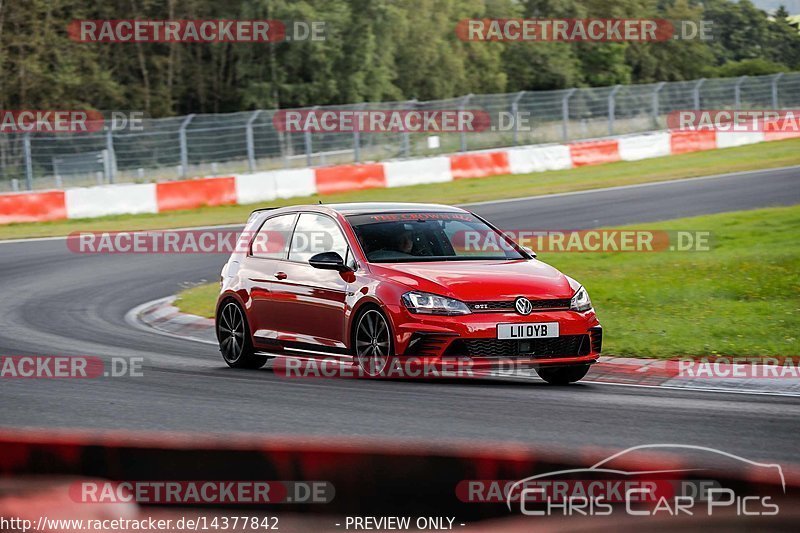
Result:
[{"x": 404, "y": 242}]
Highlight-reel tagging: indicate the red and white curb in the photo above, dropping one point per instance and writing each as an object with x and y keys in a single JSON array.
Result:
[
  {"x": 267, "y": 186},
  {"x": 163, "y": 317}
]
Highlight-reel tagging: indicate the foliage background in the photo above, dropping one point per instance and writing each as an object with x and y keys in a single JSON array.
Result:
[{"x": 375, "y": 50}]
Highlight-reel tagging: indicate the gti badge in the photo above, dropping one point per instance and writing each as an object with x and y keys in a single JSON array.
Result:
[{"x": 523, "y": 305}]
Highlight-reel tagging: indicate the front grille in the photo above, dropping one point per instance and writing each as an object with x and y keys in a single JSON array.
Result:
[
  {"x": 566, "y": 345},
  {"x": 508, "y": 305}
]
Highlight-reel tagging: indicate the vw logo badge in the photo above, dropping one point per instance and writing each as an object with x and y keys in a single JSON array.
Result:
[{"x": 523, "y": 305}]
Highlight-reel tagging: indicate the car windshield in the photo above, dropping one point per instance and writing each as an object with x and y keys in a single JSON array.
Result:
[{"x": 416, "y": 237}]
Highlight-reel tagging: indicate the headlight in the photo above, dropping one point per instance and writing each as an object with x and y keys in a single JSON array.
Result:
[
  {"x": 432, "y": 304},
  {"x": 581, "y": 301}
]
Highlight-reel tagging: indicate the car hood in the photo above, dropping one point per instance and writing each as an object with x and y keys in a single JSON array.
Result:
[{"x": 481, "y": 280}]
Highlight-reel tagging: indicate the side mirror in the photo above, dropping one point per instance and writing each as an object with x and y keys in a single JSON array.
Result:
[
  {"x": 529, "y": 251},
  {"x": 328, "y": 261}
]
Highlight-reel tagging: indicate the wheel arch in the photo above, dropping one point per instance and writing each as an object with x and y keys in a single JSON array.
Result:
[
  {"x": 225, "y": 298},
  {"x": 364, "y": 305}
]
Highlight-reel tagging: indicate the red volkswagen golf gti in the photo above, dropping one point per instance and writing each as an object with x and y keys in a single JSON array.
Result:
[{"x": 375, "y": 283}]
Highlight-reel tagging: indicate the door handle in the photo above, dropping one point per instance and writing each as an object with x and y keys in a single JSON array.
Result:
[{"x": 281, "y": 275}]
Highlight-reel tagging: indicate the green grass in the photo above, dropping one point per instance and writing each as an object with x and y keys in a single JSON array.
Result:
[
  {"x": 740, "y": 298},
  {"x": 751, "y": 157},
  {"x": 199, "y": 300}
]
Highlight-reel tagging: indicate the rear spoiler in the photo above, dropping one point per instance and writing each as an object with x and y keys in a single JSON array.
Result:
[{"x": 257, "y": 211}]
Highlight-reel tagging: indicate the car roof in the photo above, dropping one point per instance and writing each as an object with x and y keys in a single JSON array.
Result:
[{"x": 363, "y": 208}]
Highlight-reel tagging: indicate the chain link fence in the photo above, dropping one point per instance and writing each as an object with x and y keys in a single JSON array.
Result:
[{"x": 221, "y": 144}]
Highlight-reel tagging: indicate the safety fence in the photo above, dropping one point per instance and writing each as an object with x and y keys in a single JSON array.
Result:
[
  {"x": 266, "y": 186},
  {"x": 249, "y": 141}
]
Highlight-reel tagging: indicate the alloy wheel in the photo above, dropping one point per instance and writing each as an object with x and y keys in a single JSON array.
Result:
[
  {"x": 373, "y": 343},
  {"x": 231, "y": 332}
]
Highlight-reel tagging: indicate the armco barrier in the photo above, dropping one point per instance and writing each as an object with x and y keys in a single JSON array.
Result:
[
  {"x": 89, "y": 202},
  {"x": 369, "y": 476},
  {"x": 417, "y": 171},
  {"x": 780, "y": 135},
  {"x": 682, "y": 142},
  {"x": 298, "y": 182},
  {"x": 787, "y": 127},
  {"x": 479, "y": 164},
  {"x": 539, "y": 158},
  {"x": 258, "y": 187},
  {"x": 190, "y": 194},
  {"x": 267, "y": 186},
  {"x": 343, "y": 178},
  {"x": 594, "y": 152},
  {"x": 636, "y": 147},
  {"x": 32, "y": 207},
  {"x": 728, "y": 139}
]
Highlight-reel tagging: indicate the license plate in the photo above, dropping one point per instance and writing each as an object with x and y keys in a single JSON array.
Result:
[{"x": 533, "y": 330}]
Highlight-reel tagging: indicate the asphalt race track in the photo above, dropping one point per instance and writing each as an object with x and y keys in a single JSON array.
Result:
[{"x": 56, "y": 302}]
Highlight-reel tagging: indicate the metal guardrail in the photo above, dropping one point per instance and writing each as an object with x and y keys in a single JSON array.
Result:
[{"x": 211, "y": 144}]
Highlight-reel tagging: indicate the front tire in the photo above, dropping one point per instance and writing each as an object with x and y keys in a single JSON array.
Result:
[
  {"x": 372, "y": 343},
  {"x": 234, "y": 340},
  {"x": 563, "y": 375}
]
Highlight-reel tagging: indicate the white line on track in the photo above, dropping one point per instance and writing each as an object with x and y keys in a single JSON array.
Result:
[
  {"x": 699, "y": 389},
  {"x": 671, "y": 387}
]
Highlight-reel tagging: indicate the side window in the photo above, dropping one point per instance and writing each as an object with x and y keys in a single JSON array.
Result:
[
  {"x": 315, "y": 234},
  {"x": 272, "y": 239}
]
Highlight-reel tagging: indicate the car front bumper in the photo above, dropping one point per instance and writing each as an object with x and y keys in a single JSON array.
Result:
[{"x": 474, "y": 337}]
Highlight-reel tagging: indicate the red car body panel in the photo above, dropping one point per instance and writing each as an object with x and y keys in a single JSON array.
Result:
[
  {"x": 294, "y": 305},
  {"x": 480, "y": 280}
]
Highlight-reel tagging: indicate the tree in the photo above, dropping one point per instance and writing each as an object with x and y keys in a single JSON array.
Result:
[{"x": 374, "y": 50}]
